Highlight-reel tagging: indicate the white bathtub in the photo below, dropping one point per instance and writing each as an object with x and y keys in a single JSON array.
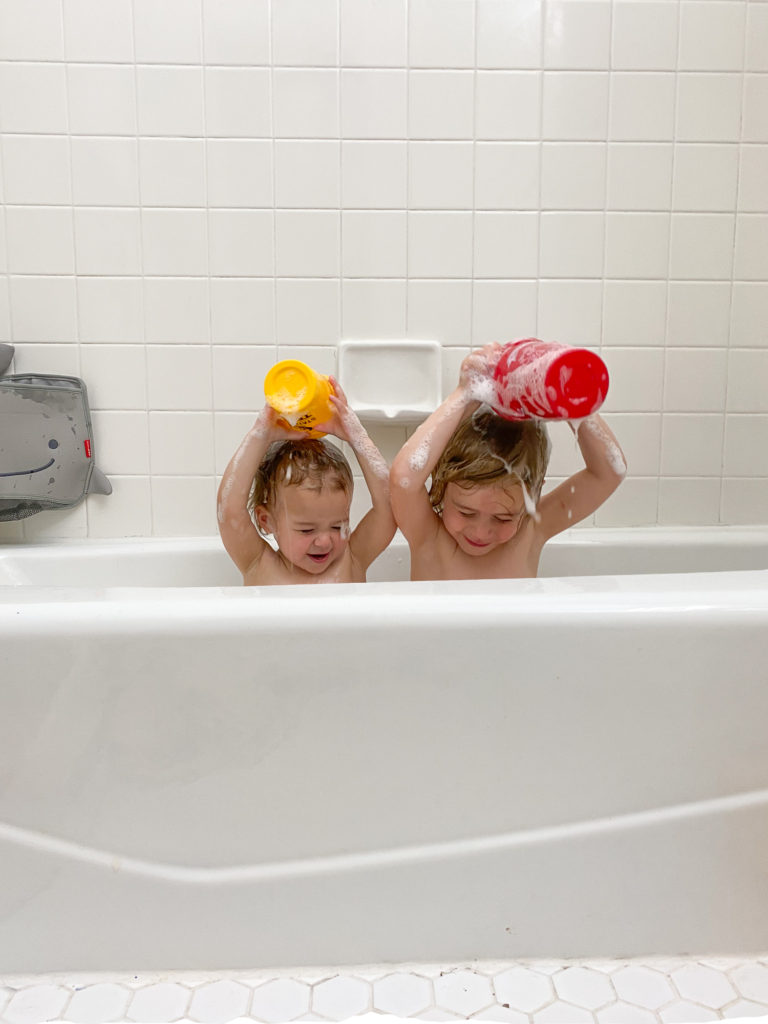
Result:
[{"x": 200, "y": 775}]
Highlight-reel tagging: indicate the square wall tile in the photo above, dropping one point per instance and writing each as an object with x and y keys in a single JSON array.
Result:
[
  {"x": 757, "y": 38},
  {"x": 440, "y": 175},
  {"x": 31, "y": 33},
  {"x": 307, "y": 174},
  {"x": 507, "y": 175},
  {"x": 34, "y": 98},
  {"x": 181, "y": 443},
  {"x": 695, "y": 380},
  {"x": 749, "y": 314},
  {"x": 374, "y": 175},
  {"x": 305, "y": 33},
  {"x": 174, "y": 242},
  {"x": 105, "y": 172},
  {"x": 242, "y": 312},
  {"x": 709, "y": 108},
  {"x": 241, "y": 243},
  {"x": 374, "y": 34},
  {"x": 170, "y": 101},
  {"x": 107, "y": 241},
  {"x": 753, "y": 174},
  {"x": 575, "y": 105},
  {"x": 238, "y": 376},
  {"x": 172, "y": 172},
  {"x": 305, "y": 103},
  {"x": 374, "y": 309},
  {"x": 177, "y": 310},
  {"x": 441, "y": 104},
  {"x": 577, "y": 36},
  {"x": 573, "y": 175},
  {"x": 706, "y": 177},
  {"x": 236, "y": 32},
  {"x": 374, "y": 243},
  {"x": 126, "y": 512},
  {"x": 307, "y": 312},
  {"x": 123, "y": 441},
  {"x": 747, "y": 380},
  {"x": 374, "y": 104},
  {"x": 506, "y": 245},
  {"x": 636, "y": 245},
  {"x": 751, "y": 256},
  {"x": 689, "y": 502},
  {"x": 508, "y": 35},
  {"x": 44, "y": 308},
  {"x": 635, "y": 503},
  {"x": 637, "y": 379},
  {"x": 699, "y": 313},
  {"x": 441, "y": 34},
  {"x": 571, "y": 312},
  {"x": 36, "y": 169},
  {"x": 634, "y": 313},
  {"x": 711, "y": 35},
  {"x": 642, "y": 107},
  {"x": 39, "y": 240},
  {"x": 184, "y": 506},
  {"x": 179, "y": 377},
  {"x": 99, "y": 32},
  {"x": 503, "y": 311},
  {"x": 110, "y": 309},
  {"x": 744, "y": 501},
  {"x": 440, "y": 244},
  {"x": 169, "y": 32},
  {"x": 102, "y": 99},
  {"x": 507, "y": 105},
  {"x": 701, "y": 245},
  {"x": 238, "y": 103},
  {"x": 572, "y": 244},
  {"x": 639, "y": 435},
  {"x": 116, "y": 376},
  {"x": 691, "y": 445},
  {"x": 746, "y": 446},
  {"x": 755, "y": 128},
  {"x": 639, "y": 175},
  {"x": 439, "y": 311},
  {"x": 307, "y": 244},
  {"x": 644, "y": 36},
  {"x": 239, "y": 173}
]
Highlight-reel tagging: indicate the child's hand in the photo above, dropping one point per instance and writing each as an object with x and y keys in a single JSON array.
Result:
[
  {"x": 477, "y": 369},
  {"x": 270, "y": 425},
  {"x": 344, "y": 423}
]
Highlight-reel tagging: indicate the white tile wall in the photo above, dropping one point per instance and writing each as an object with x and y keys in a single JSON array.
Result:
[{"x": 191, "y": 190}]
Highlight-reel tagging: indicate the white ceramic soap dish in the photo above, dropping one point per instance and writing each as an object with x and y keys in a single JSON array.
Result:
[{"x": 391, "y": 381}]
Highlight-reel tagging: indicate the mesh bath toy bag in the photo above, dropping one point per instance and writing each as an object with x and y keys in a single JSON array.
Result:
[{"x": 46, "y": 445}]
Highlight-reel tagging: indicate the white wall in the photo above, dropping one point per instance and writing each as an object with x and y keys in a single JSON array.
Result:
[{"x": 195, "y": 188}]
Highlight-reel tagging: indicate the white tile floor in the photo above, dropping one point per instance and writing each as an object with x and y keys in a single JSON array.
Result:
[{"x": 652, "y": 991}]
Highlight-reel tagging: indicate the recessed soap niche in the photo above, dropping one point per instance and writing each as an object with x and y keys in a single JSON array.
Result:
[{"x": 391, "y": 381}]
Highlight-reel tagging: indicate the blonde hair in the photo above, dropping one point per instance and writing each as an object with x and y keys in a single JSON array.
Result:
[
  {"x": 485, "y": 448},
  {"x": 291, "y": 463}
]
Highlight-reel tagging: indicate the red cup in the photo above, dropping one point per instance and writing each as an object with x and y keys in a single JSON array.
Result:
[{"x": 544, "y": 380}]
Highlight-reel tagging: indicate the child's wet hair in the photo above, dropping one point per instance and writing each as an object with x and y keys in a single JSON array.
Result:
[
  {"x": 487, "y": 449},
  {"x": 319, "y": 463}
]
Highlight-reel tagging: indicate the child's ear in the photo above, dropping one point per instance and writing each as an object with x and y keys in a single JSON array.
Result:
[{"x": 264, "y": 519}]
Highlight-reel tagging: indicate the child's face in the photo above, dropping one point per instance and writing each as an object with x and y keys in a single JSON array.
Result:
[
  {"x": 311, "y": 527},
  {"x": 483, "y": 517}
]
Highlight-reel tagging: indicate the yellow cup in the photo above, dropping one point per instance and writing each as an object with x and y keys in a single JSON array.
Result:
[{"x": 299, "y": 395}]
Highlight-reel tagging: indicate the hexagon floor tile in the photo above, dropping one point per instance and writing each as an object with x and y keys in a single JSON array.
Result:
[{"x": 676, "y": 990}]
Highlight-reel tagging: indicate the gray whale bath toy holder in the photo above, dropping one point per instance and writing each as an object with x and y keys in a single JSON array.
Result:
[{"x": 46, "y": 443}]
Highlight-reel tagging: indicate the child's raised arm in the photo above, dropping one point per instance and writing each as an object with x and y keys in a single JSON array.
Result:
[
  {"x": 243, "y": 542},
  {"x": 415, "y": 461},
  {"x": 584, "y": 492},
  {"x": 377, "y": 527}
]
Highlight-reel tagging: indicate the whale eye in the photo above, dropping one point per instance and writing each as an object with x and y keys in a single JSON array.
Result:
[{"x": 53, "y": 444}]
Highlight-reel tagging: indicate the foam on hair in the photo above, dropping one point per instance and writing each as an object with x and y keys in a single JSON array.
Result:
[
  {"x": 486, "y": 449},
  {"x": 317, "y": 463}
]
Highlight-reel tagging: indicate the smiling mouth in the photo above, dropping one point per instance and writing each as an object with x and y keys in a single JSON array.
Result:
[
  {"x": 320, "y": 558},
  {"x": 29, "y": 472}
]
